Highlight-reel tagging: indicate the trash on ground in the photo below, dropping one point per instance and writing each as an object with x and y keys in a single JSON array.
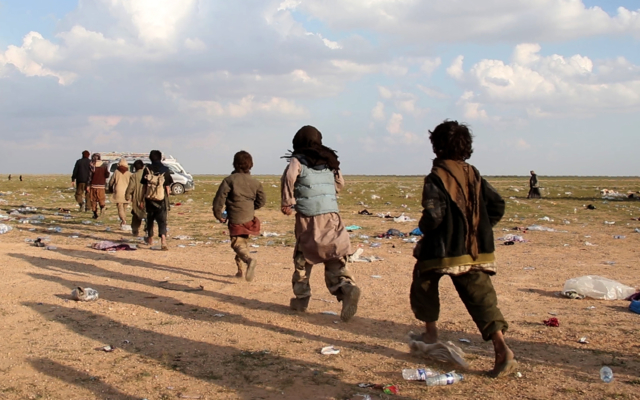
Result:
[
  {"x": 545, "y": 219},
  {"x": 464, "y": 340},
  {"x": 416, "y": 232},
  {"x": 352, "y": 228},
  {"x": 411, "y": 240},
  {"x": 364, "y": 212},
  {"x": 597, "y": 287},
  {"x": 403, "y": 218},
  {"x": 444, "y": 352},
  {"x": 540, "y": 228},
  {"x": 590, "y": 244},
  {"x": 219, "y": 315},
  {"x": 411, "y": 374},
  {"x": 51, "y": 248},
  {"x": 107, "y": 245},
  {"x": 329, "y": 350},
  {"x": 619, "y": 237},
  {"x": 583, "y": 340},
  {"x": 106, "y": 349},
  {"x": 329, "y": 313},
  {"x": 183, "y": 237},
  {"x": 609, "y": 222},
  {"x": 4, "y": 228},
  {"x": 529, "y": 268},
  {"x": 606, "y": 374},
  {"x": 86, "y": 294},
  {"x": 376, "y": 276},
  {"x": 270, "y": 234},
  {"x": 512, "y": 238},
  {"x": 553, "y": 322},
  {"x": 445, "y": 379},
  {"x": 635, "y": 306}
]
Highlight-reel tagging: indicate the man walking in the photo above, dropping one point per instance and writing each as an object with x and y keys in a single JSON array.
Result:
[
  {"x": 80, "y": 179},
  {"x": 157, "y": 181},
  {"x": 99, "y": 175}
]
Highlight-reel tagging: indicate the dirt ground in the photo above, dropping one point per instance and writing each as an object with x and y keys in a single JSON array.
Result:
[{"x": 239, "y": 340}]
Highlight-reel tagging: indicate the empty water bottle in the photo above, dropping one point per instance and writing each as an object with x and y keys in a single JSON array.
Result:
[
  {"x": 606, "y": 374},
  {"x": 86, "y": 294},
  {"x": 444, "y": 379},
  {"x": 418, "y": 374}
]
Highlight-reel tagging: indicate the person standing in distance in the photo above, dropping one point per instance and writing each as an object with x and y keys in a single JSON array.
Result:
[
  {"x": 80, "y": 179},
  {"x": 157, "y": 183}
]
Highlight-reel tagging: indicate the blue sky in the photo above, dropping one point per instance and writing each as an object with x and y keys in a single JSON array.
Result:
[{"x": 550, "y": 85}]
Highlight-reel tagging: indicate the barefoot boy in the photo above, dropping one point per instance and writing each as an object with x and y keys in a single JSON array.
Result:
[
  {"x": 242, "y": 195},
  {"x": 460, "y": 209}
]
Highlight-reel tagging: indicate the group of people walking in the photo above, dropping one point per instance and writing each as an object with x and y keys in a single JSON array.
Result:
[{"x": 460, "y": 210}]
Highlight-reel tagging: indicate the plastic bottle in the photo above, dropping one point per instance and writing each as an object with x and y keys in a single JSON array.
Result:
[
  {"x": 418, "y": 374},
  {"x": 444, "y": 379},
  {"x": 606, "y": 374}
]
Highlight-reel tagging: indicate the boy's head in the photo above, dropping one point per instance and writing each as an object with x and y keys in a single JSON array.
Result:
[
  {"x": 242, "y": 162},
  {"x": 138, "y": 165},
  {"x": 155, "y": 155},
  {"x": 85, "y": 154},
  {"x": 452, "y": 141},
  {"x": 96, "y": 157}
]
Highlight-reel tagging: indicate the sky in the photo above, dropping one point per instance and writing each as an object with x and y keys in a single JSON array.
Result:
[{"x": 545, "y": 85}]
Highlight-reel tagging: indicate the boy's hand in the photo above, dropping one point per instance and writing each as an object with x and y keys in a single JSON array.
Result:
[
  {"x": 222, "y": 220},
  {"x": 286, "y": 210}
]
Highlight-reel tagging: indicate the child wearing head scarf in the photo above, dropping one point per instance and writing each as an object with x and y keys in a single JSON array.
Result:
[
  {"x": 460, "y": 210},
  {"x": 241, "y": 195},
  {"x": 310, "y": 184}
]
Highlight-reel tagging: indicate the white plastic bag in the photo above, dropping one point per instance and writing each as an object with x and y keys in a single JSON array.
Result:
[{"x": 597, "y": 287}]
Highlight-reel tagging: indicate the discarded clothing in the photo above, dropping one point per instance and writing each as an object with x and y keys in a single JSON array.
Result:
[
  {"x": 553, "y": 322},
  {"x": 364, "y": 212},
  {"x": 108, "y": 245}
]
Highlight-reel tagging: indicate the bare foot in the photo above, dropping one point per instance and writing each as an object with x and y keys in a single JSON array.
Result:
[{"x": 505, "y": 363}]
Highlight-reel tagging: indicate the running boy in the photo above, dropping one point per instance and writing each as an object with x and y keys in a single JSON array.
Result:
[
  {"x": 242, "y": 195},
  {"x": 309, "y": 185},
  {"x": 460, "y": 209}
]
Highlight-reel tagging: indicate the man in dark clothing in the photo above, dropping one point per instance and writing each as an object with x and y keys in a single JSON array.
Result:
[
  {"x": 534, "y": 189},
  {"x": 80, "y": 179},
  {"x": 157, "y": 210},
  {"x": 97, "y": 183}
]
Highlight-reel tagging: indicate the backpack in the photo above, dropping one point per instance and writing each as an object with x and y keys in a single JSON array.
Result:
[{"x": 155, "y": 185}]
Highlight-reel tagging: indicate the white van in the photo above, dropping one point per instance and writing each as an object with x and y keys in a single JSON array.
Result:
[{"x": 182, "y": 181}]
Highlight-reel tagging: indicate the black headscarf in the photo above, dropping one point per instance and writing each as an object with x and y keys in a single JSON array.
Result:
[{"x": 308, "y": 143}]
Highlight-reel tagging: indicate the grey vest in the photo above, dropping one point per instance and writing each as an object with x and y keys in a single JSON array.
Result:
[{"x": 315, "y": 192}]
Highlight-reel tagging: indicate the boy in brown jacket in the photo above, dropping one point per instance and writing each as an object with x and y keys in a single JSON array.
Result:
[{"x": 242, "y": 195}]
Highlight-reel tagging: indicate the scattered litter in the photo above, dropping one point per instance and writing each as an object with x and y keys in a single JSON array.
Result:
[
  {"x": 589, "y": 244},
  {"x": 619, "y": 237},
  {"x": 374, "y": 197},
  {"x": 591, "y": 308},
  {"x": 444, "y": 352},
  {"x": 219, "y": 315},
  {"x": 553, "y": 322},
  {"x": 255, "y": 245},
  {"x": 376, "y": 244},
  {"x": 403, "y": 218},
  {"x": 518, "y": 375},
  {"x": 329, "y": 350},
  {"x": 609, "y": 222},
  {"x": 107, "y": 245},
  {"x": 411, "y": 240},
  {"x": 545, "y": 219},
  {"x": 126, "y": 228},
  {"x": 610, "y": 262},
  {"x": 583, "y": 340},
  {"x": 540, "y": 228},
  {"x": 596, "y": 287},
  {"x": 464, "y": 340},
  {"x": 106, "y": 349},
  {"x": 86, "y": 294},
  {"x": 635, "y": 306},
  {"x": 376, "y": 276},
  {"x": 364, "y": 212},
  {"x": 4, "y": 228},
  {"x": 512, "y": 238},
  {"x": 183, "y": 237},
  {"x": 270, "y": 234},
  {"x": 444, "y": 379},
  {"x": 52, "y": 248},
  {"x": 416, "y": 232},
  {"x": 329, "y": 313},
  {"x": 352, "y": 228},
  {"x": 606, "y": 374},
  {"x": 87, "y": 222},
  {"x": 529, "y": 268}
]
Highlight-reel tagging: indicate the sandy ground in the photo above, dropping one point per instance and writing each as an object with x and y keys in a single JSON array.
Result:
[{"x": 239, "y": 340}]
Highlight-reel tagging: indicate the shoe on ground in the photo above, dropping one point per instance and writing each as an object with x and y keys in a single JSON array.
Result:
[
  {"x": 239, "y": 274},
  {"x": 351, "y": 296},
  {"x": 251, "y": 270},
  {"x": 299, "y": 305}
]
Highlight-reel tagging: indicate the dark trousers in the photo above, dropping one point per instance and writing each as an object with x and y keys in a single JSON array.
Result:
[
  {"x": 136, "y": 222},
  {"x": 475, "y": 290},
  {"x": 82, "y": 196},
  {"x": 156, "y": 211}
]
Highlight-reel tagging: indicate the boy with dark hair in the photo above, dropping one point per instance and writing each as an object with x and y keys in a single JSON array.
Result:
[
  {"x": 460, "y": 210},
  {"x": 80, "y": 179},
  {"x": 310, "y": 184},
  {"x": 241, "y": 194},
  {"x": 157, "y": 203},
  {"x": 98, "y": 180}
]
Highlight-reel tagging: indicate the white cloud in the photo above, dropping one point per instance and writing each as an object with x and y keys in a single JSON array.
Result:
[
  {"x": 455, "y": 69},
  {"x": 552, "y": 85},
  {"x": 378, "y": 112},
  {"x": 499, "y": 20},
  {"x": 195, "y": 44},
  {"x": 398, "y": 133},
  {"x": 431, "y": 92},
  {"x": 394, "y": 126},
  {"x": 521, "y": 144},
  {"x": 430, "y": 65},
  {"x": 384, "y": 92}
]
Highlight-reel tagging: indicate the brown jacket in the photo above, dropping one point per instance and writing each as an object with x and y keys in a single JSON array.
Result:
[
  {"x": 242, "y": 195},
  {"x": 135, "y": 194}
]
